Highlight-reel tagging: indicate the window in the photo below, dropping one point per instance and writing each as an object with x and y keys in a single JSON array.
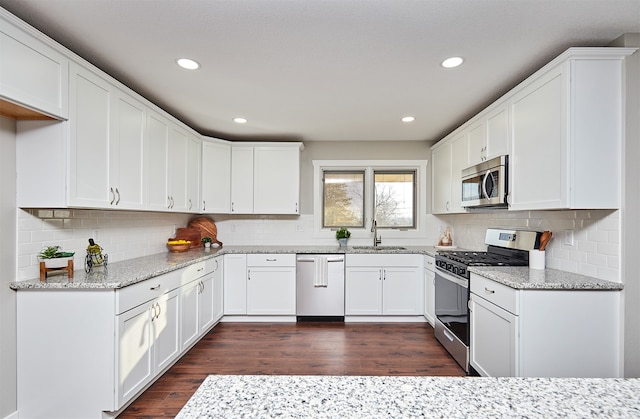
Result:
[
  {"x": 352, "y": 196},
  {"x": 343, "y": 199},
  {"x": 395, "y": 198}
]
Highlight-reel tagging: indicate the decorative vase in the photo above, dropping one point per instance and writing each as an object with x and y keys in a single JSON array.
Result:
[
  {"x": 343, "y": 242},
  {"x": 54, "y": 263},
  {"x": 207, "y": 245}
]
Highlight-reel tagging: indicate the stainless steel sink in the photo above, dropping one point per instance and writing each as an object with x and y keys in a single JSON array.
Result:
[{"x": 379, "y": 248}]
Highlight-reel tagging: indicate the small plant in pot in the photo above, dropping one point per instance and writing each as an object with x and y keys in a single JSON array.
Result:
[
  {"x": 53, "y": 257},
  {"x": 343, "y": 235},
  {"x": 206, "y": 241}
]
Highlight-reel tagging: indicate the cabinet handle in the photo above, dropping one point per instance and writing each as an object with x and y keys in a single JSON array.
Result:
[
  {"x": 159, "y": 311},
  {"x": 168, "y": 202},
  {"x": 384, "y": 274},
  {"x": 118, "y": 193},
  {"x": 216, "y": 268},
  {"x": 249, "y": 274},
  {"x": 379, "y": 274},
  {"x": 155, "y": 288},
  {"x": 296, "y": 207},
  {"x": 232, "y": 207},
  {"x": 271, "y": 260},
  {"x": 447, "y": 205},
  {"x": 204, "y": 205},
  {"x": 113, "y": 196},
  {"x": 201, "y": 287},
  {"x": 488, "y": 291},
  {"x": 200, "y": 269},
  {"x": 190, "y": 204}
]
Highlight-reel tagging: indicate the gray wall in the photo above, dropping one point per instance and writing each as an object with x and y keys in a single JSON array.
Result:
[
  {"x": 8, "y": 255},
  {"x": 356, "y": 150}
]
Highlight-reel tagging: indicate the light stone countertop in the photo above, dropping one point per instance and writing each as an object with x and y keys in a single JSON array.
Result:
[
  {"x": 521, "y": 277},
  {"x": 410, "y": 397},
  {"x": 128, "y": 272}
]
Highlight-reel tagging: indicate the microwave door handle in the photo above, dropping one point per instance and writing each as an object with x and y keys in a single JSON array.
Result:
[{"x": 484, "y": 184}]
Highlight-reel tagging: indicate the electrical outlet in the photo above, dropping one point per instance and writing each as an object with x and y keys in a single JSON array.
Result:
[
  {"x": 95, "y": 237},
  {"x": 233, "y": 228},
  {"x": 298, "y": 227},
  {"x": 568, "y": 237}
]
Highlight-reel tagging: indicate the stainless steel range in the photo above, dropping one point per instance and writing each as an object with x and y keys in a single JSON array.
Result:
[{"x": 505, "y": 248}]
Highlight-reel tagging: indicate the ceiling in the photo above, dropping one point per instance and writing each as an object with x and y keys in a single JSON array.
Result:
[{"x": 326, "y": 70}]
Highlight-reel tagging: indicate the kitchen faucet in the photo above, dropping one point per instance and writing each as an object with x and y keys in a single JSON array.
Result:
[{"x": 374, "y": 230}]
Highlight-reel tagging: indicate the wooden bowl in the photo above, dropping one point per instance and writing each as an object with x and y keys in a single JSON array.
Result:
[{"x": 181, "y": 247}]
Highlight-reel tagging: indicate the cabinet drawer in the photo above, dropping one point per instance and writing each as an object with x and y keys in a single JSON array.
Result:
[
  {"x": 150, "y": 289},
  {"x": 376, "y": 259},
  {"x": 194, "y": 271},
  {"x": 430, "y": 263},
  {"x": 271, "y": 259},
  {"x": 500, "y": 295}
]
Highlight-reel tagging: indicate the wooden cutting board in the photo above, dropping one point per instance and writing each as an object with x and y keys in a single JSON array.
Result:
[
  {"x": 191, "y": 234},
  {"x": 207, "y": 228}
]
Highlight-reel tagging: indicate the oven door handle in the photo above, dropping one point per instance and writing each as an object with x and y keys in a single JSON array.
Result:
[{"x": 446, "y": 275}]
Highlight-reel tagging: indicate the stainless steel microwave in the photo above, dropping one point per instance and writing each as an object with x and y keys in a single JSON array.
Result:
[{"x": 486, "y": 184}]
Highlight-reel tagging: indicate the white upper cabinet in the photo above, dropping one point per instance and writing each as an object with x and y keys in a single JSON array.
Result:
[
  {"x": 32, "y": 74},
  {"x": 156, "y": 151},
  {"x": 562, "y": 130},
  {"x": 194, "y": 150},
  {"x": 177, "y": 168},
  {"x": 216, "y": 177},
  {"x": 241, "y": 180},
  {"x": 567, "y": 133},
  {"x": 448, "y": 160},
  {"x": 90, "y": 118},
  {"x": 276, "y": 186},
  {"x": 126, "y": 185},
  {"x": 265, "y": 178}
]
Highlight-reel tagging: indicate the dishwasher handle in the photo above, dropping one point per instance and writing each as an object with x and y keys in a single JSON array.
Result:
[{"x": 338, "y": 258}]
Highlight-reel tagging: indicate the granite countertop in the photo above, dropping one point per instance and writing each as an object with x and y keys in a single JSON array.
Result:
[
  {"x": 409, "y": 397},
  {"x": 128, "y": 272},
  {"x": 520, "y": 277}
]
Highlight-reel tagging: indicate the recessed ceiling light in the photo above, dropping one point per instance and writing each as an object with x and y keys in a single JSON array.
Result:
[
  {"x": 452, "y": 62},
  {"x": 408, "y": 119},
  {"x": 188, "y": 63},
  {"x": 239, "y": 120}
]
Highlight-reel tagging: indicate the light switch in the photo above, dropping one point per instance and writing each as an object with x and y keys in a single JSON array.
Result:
[{"x": 568, "y": 237}]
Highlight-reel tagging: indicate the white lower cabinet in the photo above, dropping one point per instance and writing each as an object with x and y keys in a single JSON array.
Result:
[
  {"x": 430, "y": 289},
  {"x": 201, "y": 303},
  {"x": 104, "y": 346},
  {"x": 384, "y": 285},
  {"x": 148, "y": 342},
  {"x": 271, "y": 284},
  {"x": 543, "y": 333},
  {"x": 235, "y": 284}
]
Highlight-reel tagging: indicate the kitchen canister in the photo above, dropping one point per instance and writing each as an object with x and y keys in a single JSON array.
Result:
[{"x": 536, "y": 259}]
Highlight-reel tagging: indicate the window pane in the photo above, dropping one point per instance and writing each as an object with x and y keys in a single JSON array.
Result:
[
  {"x": 395, "y": 199},
  {"x": 343, "y": 199}
]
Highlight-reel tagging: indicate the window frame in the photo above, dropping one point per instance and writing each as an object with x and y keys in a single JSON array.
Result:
[{"x": 369, "y": 166}]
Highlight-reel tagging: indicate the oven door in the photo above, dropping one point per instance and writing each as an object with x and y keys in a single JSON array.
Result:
[{"x": 452, "y": 316}]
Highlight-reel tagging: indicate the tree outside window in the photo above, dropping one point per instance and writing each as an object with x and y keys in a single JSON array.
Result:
[{"x": 343, "y": 199}]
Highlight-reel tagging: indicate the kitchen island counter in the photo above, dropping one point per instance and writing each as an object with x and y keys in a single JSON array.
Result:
[
  {"x": 128, "y": 272},
  {"x": 520, "y": 277},
  {"x": 437, "y": 397}
]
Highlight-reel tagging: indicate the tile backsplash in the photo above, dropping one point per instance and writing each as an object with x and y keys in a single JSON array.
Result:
[{"x": 129, "y": 234}]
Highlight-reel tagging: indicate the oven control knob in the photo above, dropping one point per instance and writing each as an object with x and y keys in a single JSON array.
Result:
[
  {"x": 454, "y": 270},
  {"x": 462, "y": 272}
]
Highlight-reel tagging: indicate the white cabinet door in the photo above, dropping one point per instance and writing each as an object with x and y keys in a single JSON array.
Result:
[
  {"x": 165, "y": 321},
  {"x": 429, "y": 290},
  {"x": 156, "y": 151},
  {"x": 402, "y": 291},
  {"x": 206, "y": 302},
  {"x": 32, "y": 74},
  {"x": 494, "y": 334},
  {"x": 539, "y": 145},
  {"x": 177, "y": 168},
  {"x": 242, "y": 180},
  {"x": 271, "y": 290},
  {"x": 477, "y": 137},
  {"x": 235, "y": 284},
  {"x": 276, "y": 180},
  {"x": 218, "y": 288},
  {"x": 126, "y": 185},
  {"x": 90, "y": 118},
  {"x": 498, "y": 132},
  {"x": 441, "y": 179},
  {"x": 193, "y": 174},
  {"x": 189, "y": 327},
  {"x": 363, "y": 291},
  {"x": 459, "y": 161},
  {"x": 216, "y": 177},
  {"x": 135, "y": 351}
]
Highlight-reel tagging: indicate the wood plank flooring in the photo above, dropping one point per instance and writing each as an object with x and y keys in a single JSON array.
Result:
[{"x": 296, "y": 349}]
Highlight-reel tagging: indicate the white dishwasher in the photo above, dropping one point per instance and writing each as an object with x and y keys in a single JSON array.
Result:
[{"x": 320, "y": 287}]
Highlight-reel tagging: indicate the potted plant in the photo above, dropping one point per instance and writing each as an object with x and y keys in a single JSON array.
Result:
[
  {"x": 53, "y": 257},
  {"x": 342, "y": 235},
  {"x": 206, "y": 241}
]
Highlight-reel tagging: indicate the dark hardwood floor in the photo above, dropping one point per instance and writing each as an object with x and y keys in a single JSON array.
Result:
[{"x": 296, "y": 349}]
